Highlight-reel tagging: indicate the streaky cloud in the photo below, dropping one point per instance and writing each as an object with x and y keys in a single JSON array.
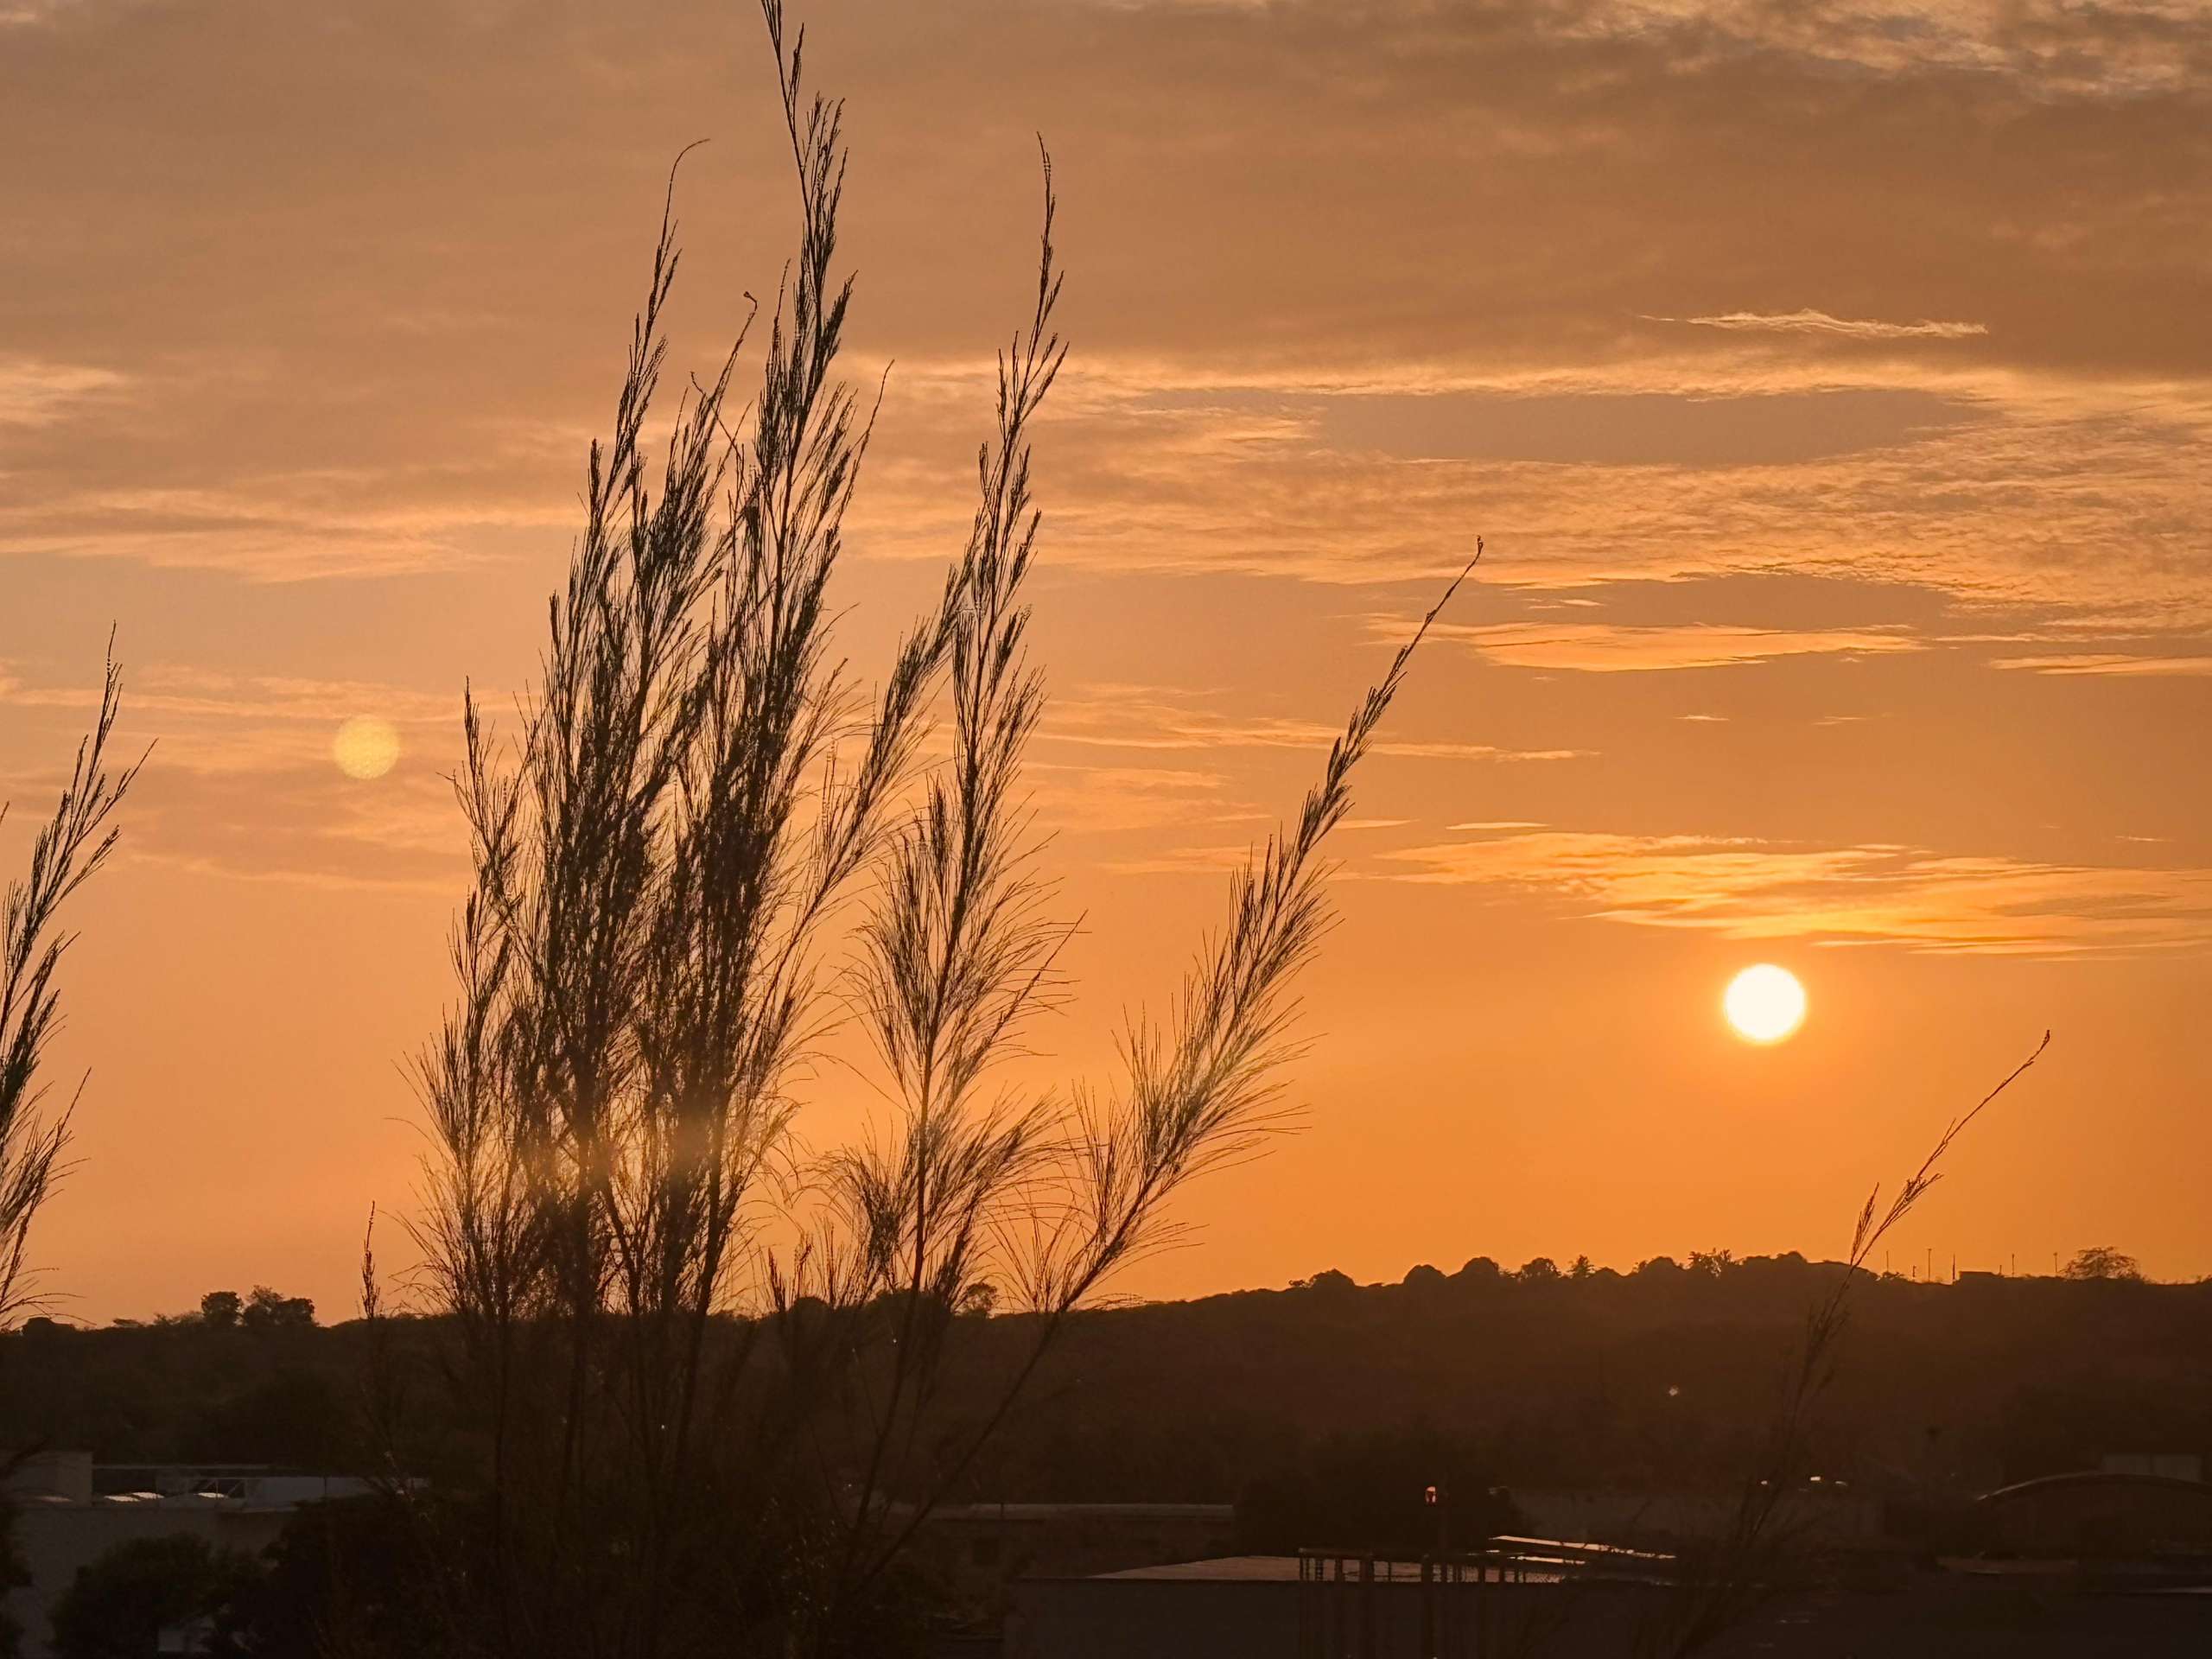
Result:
[
  {"x": 2110, "y": 662},
  {"x": 1820, "y": 322},
  {"x": 1603, "y": 648},
  {"x": 1866, "y": 894}
]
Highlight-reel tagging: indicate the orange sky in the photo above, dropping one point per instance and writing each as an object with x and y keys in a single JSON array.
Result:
[{"x": 1832, "y": 383}]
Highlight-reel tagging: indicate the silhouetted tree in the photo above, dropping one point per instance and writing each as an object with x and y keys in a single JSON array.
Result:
[
  {"x": 219, "y": 1309},
  {"x": 269, "y": 1310},
  {"x": 980, "y": 1299},
  {"x": 345, "y": 1578},
  {"x": 2102, "y": 1262},
  {"x": 118, "y": 1605},
  {"x": 1540, "y": 1270}
]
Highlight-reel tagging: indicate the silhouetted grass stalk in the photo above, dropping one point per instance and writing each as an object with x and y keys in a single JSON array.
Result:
[
  {"x": 69, "y": 850},
  {"x": 1741, "y": 1567},
  {"x": 659, "y": 855}
]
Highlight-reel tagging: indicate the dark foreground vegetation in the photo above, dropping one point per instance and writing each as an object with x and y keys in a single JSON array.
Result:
[{"x": 1321, "y": 1412}]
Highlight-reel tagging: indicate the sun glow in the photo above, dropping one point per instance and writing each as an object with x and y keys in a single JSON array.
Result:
[
  {"x": 1765, "y": 1004},
  {"x": 366, "y": 747}
]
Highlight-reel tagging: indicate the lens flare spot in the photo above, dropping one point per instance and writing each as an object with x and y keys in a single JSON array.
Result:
[{"x": 366, "y": 747}]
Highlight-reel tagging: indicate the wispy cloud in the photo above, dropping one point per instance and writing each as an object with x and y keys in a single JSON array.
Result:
[
  {"x": 303, "y": 823},
  {"x": 1154, "y": 717},
  {"x": 1606, "y": 648},
  {"x": 1820, "y": 322},
  {"x": 209, "y": 719},
  {"x": 2112, "y": 663},
  {"x": 1867, "y": 895},
  {"x": 33, "y": 391},
  {"x": 1092, "y": 800}
]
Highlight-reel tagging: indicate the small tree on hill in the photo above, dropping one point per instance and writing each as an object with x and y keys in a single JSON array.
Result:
[
  {"x": 2102, "y": 1261},
  {"x": 219, "y": 1309},
  {"x": 269, "y": 1310}
]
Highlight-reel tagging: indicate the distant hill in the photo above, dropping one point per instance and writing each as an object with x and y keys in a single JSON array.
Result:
[
  {"x": 1663, "y": 1376},
  {"x": 1660, "y": 1377}
]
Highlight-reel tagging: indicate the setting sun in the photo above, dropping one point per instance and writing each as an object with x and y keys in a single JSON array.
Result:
[
  {"x": 366, "y": 747},
  {"x": 1765, "y": 1004}
]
